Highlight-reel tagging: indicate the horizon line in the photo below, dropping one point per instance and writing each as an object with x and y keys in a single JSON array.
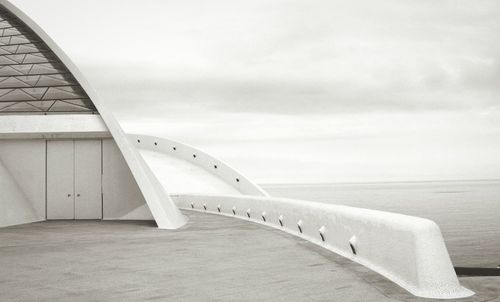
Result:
[{"x": 374, "y": 182}]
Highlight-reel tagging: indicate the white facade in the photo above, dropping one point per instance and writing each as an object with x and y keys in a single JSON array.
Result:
[{"x": 66, "y": 179}]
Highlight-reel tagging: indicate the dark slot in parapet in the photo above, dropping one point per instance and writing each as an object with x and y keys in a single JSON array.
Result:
[{"x": 477, "y": 271}]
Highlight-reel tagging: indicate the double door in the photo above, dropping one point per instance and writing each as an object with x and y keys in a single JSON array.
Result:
[{"x": 74, "y": 179}]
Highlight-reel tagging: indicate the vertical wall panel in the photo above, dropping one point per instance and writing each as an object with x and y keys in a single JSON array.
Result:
[
  {"x": 14, "y": 207},
  {"x": 122, "y": 198},
  {"x": 24, "y": 160}
]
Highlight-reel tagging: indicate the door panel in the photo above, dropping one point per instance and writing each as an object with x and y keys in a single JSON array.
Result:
[
  {"x": 88, "y": 198},
  {"x": 60, "y": 197}
]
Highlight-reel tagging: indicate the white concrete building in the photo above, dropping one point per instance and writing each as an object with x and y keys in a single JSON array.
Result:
[{"x": 64, "y": 156}]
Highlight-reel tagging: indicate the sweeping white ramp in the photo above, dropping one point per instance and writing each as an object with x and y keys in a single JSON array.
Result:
[
  {"x": 409, "y": 251},
  {"x": 184, "y": 169}
]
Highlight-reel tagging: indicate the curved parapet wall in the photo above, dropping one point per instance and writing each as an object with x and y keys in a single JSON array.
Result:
[
  {"x": 409, "y": 251},
  {"x": 199, "y": 158},
  {"x": 164, "y": 211}
]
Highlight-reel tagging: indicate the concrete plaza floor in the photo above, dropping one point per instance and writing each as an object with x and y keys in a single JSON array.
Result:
[{"x": 213, "y": 258}]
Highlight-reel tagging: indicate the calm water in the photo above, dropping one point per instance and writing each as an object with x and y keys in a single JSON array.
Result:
[{"x": 468, "y": 212}]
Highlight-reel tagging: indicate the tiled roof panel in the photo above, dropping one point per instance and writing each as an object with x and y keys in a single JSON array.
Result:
[{"x": 32, "y": 78}]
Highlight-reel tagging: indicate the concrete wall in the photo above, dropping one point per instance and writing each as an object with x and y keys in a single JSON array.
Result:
[
  {"x": 22, "y": 149},
  {"x": 408, "y": 250},
  {"x": 15, "y": 208},
  {"x": 122, "y": 198},
  {"x": 23, "y": 183},
  {"x": 22, "y": 197}
]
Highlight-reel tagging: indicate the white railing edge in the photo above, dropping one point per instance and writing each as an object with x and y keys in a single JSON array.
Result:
[{"x": 444, "y": 283}]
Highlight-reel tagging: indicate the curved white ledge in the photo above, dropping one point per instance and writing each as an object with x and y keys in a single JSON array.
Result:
[
  {"x": 199, "y": 158},
  {"x": 409, "y": 251},
  {"x": 164, "y": 211}
]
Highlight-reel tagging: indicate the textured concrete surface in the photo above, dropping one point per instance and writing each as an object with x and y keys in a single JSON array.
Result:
[{"x": 212, "y": 258}]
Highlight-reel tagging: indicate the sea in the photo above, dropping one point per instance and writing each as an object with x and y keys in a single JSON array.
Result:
[{"x": 467, "y": 212}]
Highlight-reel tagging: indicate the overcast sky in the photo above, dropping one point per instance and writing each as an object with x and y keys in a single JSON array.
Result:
[{"x": 299, "y": 91}]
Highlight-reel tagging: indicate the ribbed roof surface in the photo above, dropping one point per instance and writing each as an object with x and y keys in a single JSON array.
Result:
[{"x": 32, "y": 78}]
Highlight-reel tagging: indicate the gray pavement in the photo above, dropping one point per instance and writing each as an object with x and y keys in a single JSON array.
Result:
[{"x": 213, "y": 258}]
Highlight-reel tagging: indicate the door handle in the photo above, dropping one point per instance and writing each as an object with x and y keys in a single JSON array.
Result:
[
  {"x": 69, "y": 195},
  {"x": 77, "y": 195}
]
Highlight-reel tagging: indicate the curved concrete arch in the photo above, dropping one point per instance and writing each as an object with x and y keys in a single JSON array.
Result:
[
  {"x": 163, "y": 209},
  {"x": 199, "y": 158},
  {"x": 409, "y": 251}
]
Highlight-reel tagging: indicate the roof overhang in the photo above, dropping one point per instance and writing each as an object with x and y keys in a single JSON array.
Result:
[{"x": 53, "y": 126}]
